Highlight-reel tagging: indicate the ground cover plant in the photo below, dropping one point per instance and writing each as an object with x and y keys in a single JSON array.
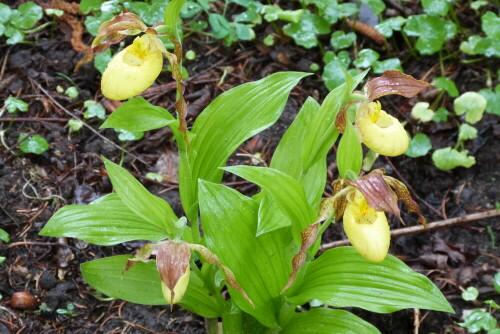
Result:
[{"x": 216, "y": 274}]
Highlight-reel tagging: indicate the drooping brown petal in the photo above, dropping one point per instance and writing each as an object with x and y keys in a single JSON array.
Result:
[
  {"x": 377, "y": 192},
  {"x": 142, "y": 254},
  {"x": 394, "y": 82},
  {"x": 309, "y": 236},
  {"x": 210, "y": 257},
  {"x": 172, "y": 261},
  {"x": 404, "y": 194},
  {"x": 115, "y": 30}
]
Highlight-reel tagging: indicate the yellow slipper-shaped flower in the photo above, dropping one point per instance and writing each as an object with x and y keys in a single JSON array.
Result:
[
  {"x": 133, "y": 69},
  {"x": 367, "y": 229},
  {"x": 178, "y": 290},
  {"x": 381, "y": 132}
]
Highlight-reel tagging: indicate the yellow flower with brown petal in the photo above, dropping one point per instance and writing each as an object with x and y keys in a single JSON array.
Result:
[
  {"x": 367, "y": 230},
  {"x": 178, "y": 290},
  {"x": 381, "y": 132},
  {"x": 133, "y": 69}
]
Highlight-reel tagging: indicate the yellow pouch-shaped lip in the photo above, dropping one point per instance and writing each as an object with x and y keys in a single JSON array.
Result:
[
  {"x": 381, "y": 132},
  {"x": 179, "y": 289},
  {"x": 367, "y": 230},
  {"x": 132, "y": 70}
]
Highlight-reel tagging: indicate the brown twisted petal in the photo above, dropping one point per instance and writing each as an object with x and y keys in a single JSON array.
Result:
[
  {"x": 210, "y": 257},
  {"x": 309, "y": 236},
  {"x": 394, "y": 82},
  {"x": 404, "y": 194},
  {"x": 378, "y": 194}
]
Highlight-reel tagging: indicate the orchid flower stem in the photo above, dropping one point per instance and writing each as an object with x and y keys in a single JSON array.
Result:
[{"x": 330, "y": 219}]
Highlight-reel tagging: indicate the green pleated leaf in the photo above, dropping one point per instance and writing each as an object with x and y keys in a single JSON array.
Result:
[
  {"x": 288, "y": 154},
  {"x": 270, "y": 216},
  {"x": 144, "y": 204},
  {"x": 141, "y": 284},
  {"x": 225, "y": 124},
  {"x": 327, "y": 321},
  {"x": 349, "y": 153},
  {"x": 322, "y": 133},
  {"x": 107, "y": 222},
  {"x": 342, "y": 278},
  {"x": 288, "y": 194},
  {"x": 171, "y": 16},
  {"x": 286, "y": 158},
  {"x": 138, "y": 114},
  {"x": 261, "y": 264}
]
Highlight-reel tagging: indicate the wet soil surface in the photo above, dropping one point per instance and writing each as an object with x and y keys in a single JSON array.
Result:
[{"x": 33, "y": 187}]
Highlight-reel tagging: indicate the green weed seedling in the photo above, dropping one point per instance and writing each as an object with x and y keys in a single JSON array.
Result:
[
  {"x": 15, "y": 24},
  {"x": 251, "y": 264},
  {"x": 32, "y": 143},
  {"x": 480, "y": 320}
]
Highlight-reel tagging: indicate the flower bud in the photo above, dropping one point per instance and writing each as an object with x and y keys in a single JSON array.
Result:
[
  {"x": 178, "y": 290},
  {"x": 172, "y": 261},
  {"x": 133, "y": 69},
  {"x": 367, "y": 229},
  {"x": 381, "y": 132}
]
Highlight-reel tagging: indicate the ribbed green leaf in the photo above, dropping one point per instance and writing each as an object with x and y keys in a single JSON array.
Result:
[
  {"x": 171, "y": 16},
  {"x": 322, "y": 133},
  {"x": 288, "y": 154},
  {"x": 270, "y": 216},
  {"x": 133, "y": 194},
  {"x": 328, "y": 321},
  {"x": 141, "y": 284},
  {"x": 107, "y": 222},
  {"x": 341, "y": 277},
  {"x": 138, "y": 114},
  {"x": 225, "y": 124},
  {"x": 349, "y": 153},
  {"x": 288, "y": 194},
  {"x": 261, "y": 264}
]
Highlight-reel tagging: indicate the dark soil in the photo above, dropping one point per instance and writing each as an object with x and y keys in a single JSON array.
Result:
[{"x": 33, "y": 187}]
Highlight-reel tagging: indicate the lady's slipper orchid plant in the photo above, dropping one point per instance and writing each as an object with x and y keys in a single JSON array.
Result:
[{"x": 254, "y": 262}]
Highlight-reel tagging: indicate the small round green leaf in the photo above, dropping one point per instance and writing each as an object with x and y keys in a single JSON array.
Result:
[
  {"x": 94, "y": 109},
  {"x": 496, "y": 282},
  {"x": 422, "y": 112},
  {"x": 441, "y": 115},
  {"x": 436, "y": 7},
  {"x": 493, "y": 100},
  {"x": 306, "y": 30},
  {"x": 478, "y": 320},
  {"x": 490, "y": 22},
  {"x": 366, "y": 58},
  {"x": 13, "y": 104},
  {"x": 470, "y": 294},
  {"x": 125, "y": 135},
  {"x": 5, "y": 13},
  {"x": 466, "y": 132},
  {"x": 420, "y": 145},
  {"x": 447, "y": 85},
  {"x": 449, "y": 158},
  {"x": 387, "y": 27},
  {"x": 341, "y": 40},
  {"x": 472, "y": 104},
  {"x": 26, "y": 15},
  {"x": 380, "y": 67},
  {"x": 102, "y": 60},
  {"x": 35, "y": 144}
]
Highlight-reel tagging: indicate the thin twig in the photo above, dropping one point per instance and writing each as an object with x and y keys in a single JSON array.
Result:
[
  {"x": 33, "y": 119},
  {"x": 430, "y": 227},
  {"x": 86, "y": 125}
]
